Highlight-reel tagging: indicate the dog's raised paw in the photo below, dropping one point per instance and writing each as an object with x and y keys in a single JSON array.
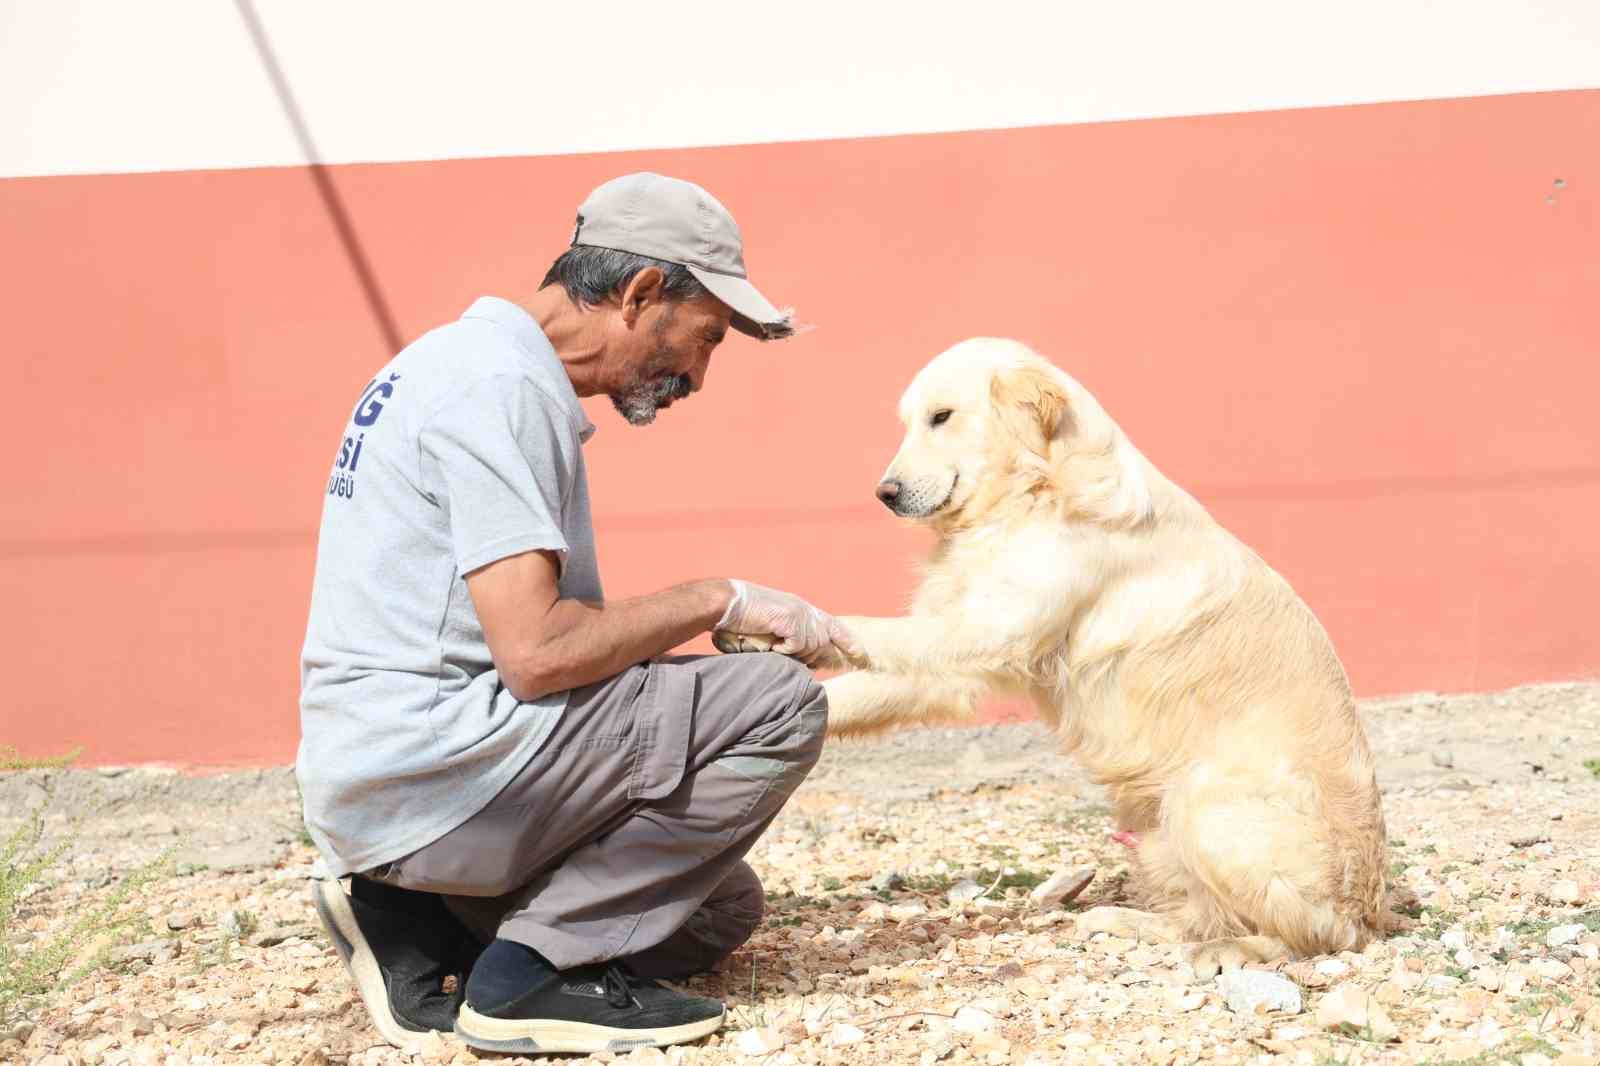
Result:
[{"x": 734, "y": 643}]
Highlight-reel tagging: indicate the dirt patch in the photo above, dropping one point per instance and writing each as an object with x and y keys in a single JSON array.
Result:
[{"x": 871, "y": 952}]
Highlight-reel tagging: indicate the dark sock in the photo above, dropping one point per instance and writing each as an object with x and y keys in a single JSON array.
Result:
[{"x": 505, "y": 971}]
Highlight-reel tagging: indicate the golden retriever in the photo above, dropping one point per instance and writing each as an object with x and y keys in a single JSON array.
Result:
[{"x": 1183, "y": 671}]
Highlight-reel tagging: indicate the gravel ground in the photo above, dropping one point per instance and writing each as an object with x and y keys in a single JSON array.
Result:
[{"x": 875, "y": 949}]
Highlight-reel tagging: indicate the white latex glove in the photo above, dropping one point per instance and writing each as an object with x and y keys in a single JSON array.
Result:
[{"x": 802, "y": 630}]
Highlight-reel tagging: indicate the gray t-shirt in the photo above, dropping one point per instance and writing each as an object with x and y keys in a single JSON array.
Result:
[{"x": 465, "y": 449}]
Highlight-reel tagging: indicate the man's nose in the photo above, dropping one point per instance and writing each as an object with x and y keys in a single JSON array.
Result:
[{"x": 888, "y": 491}]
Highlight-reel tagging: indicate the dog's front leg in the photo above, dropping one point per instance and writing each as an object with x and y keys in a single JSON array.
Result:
[
  {"x": 934, "y": 644},
  {"x": 867, "y": 701}
]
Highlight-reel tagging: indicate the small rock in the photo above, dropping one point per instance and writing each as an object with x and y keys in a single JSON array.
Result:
[
  {"x": 1453, "y": 940},
  {"x": 1180, "y": 1000},
  {"x": 873, "y": 912},
  {"x": 942, "y": 1049},
  {"x": 906, "y": 911},
  {"x": 1551, "y": 969},
  {"x": 1333, "y": 967},
  {"x": 762, "y": 1041},
  {"x": 1443, "y": 758},
  {"x": 271, "y": 938},
  {"x": 844, "y": 1034},
  {"x": 1564, "y": 892},
  {"x": 178, "y": 920},
  {"x": 973, "y": 1020},
  {"x": 1564, "y": 934},
  {"x": 1441, "y": 982},
  {"x": 964, "y": 890},
  {"x": 1351, "y": 1010},
  {"x": 887, "y": 881},
  {"x": 1252, "y": 991},
  {"x": 1063, "y": 887},
  {"x": 148, "y": 951},
  {"x": 1528, "y": 840}
]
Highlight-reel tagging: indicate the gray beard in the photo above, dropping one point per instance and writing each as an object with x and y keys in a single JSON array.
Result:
[
  {"x": 639, "y": 403},
  {"x": 651, "y": 389}
]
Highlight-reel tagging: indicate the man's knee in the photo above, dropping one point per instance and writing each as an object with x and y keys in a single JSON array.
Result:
[
  {"x": 800, "y": 705},
  {"x": 782, "y": 717}
]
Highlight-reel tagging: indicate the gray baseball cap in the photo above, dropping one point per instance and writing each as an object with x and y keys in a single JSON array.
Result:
[{"x": 679, "y": 222}]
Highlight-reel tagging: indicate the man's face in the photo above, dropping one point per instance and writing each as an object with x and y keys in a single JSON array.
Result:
[{"x": 667, "y": 355}]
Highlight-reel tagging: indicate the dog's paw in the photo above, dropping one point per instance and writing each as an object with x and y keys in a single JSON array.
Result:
[
  {"x": 1211, "y": 957},
  {"x": 734, "y": 643}
]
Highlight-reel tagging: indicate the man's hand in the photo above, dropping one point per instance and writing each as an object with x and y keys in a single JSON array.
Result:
[{"x": 803, "y": 631}]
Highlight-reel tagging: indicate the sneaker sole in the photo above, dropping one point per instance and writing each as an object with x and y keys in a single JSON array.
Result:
[
  {"x": 543, "y": 1036},
  {"x": 339, "y": 922}
]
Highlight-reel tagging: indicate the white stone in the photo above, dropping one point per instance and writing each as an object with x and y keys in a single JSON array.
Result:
[
  {"x": 964, "y": 890},
  {"x": 1551, "y": 969},
  {"x": 762, "y": 1041},
  {"x": 1250, "y": 991},
  {"x": 1564, "y": 892},
  {"x": 844, "y": 1034},
  {"x": 1564, "y": 934},
  {"x": 1063, "y": 886},
  {"x": 973, "y": 1020},
  {"x": 1333, "y": 967}
]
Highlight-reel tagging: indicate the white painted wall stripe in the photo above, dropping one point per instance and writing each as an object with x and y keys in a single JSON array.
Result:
[{"x": 105, "y": 85}]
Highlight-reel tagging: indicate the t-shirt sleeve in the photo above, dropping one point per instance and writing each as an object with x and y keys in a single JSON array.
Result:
[{"x": 504, "y": 456}]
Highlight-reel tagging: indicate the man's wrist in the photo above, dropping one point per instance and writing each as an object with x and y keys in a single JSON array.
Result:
[{"x": 717, "y": 595}]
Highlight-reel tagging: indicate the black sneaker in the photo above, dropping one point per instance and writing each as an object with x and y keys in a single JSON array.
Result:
[
  {"x": 587, "y": 1009},
  {"x": 399, "y": 946}
]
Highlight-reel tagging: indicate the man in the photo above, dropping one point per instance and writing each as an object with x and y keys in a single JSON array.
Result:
[{"x": 487, "y": 742}]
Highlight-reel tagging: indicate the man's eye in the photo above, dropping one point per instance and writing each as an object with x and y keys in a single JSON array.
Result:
[{"x": 940, "y": 417}]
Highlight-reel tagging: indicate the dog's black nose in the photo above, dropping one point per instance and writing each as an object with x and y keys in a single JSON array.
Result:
[{"x": 888, "y": 492}]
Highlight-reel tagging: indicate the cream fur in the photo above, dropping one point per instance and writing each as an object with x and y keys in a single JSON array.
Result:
[{"x": 1184, "y": 672}]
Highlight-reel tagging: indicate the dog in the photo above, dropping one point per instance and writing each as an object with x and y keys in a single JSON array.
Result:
[{"x": 1182, "y": 670}]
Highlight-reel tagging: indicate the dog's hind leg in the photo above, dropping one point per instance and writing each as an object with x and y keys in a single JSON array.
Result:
[
  {"x": 1267, "y": 877},
  {"x": 1127, "y": 922},
  {"x": 866, "y": 701}
]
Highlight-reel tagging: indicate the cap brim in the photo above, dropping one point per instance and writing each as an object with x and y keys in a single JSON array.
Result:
[{"x": 753, "y": 313}]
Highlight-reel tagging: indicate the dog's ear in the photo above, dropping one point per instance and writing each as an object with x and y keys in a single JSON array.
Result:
[{"x": 1033, "y": 405}]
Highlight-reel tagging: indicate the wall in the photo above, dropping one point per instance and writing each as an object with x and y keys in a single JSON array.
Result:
[{"x": 1337, "y": 276}]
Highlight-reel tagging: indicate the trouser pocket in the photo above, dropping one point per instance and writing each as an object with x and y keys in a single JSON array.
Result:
[{"x": 663, "y": 724}]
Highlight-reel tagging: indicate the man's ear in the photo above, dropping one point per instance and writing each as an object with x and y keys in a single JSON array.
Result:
[
  {"x": 1032, "y": 404},
  {"x": 642, "y": 290}
]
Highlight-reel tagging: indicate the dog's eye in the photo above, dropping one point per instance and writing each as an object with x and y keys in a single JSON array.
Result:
[{"x": 940, "y": 417}]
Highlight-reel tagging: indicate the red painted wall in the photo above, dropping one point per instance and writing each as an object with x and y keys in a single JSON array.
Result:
[{"x": 1365, "y": 336}]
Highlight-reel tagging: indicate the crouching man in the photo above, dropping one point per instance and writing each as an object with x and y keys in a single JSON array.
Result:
[{"x": 511, "y": 783}]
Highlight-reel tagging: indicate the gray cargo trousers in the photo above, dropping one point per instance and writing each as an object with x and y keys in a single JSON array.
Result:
[{"x": 624, "y": 837}]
